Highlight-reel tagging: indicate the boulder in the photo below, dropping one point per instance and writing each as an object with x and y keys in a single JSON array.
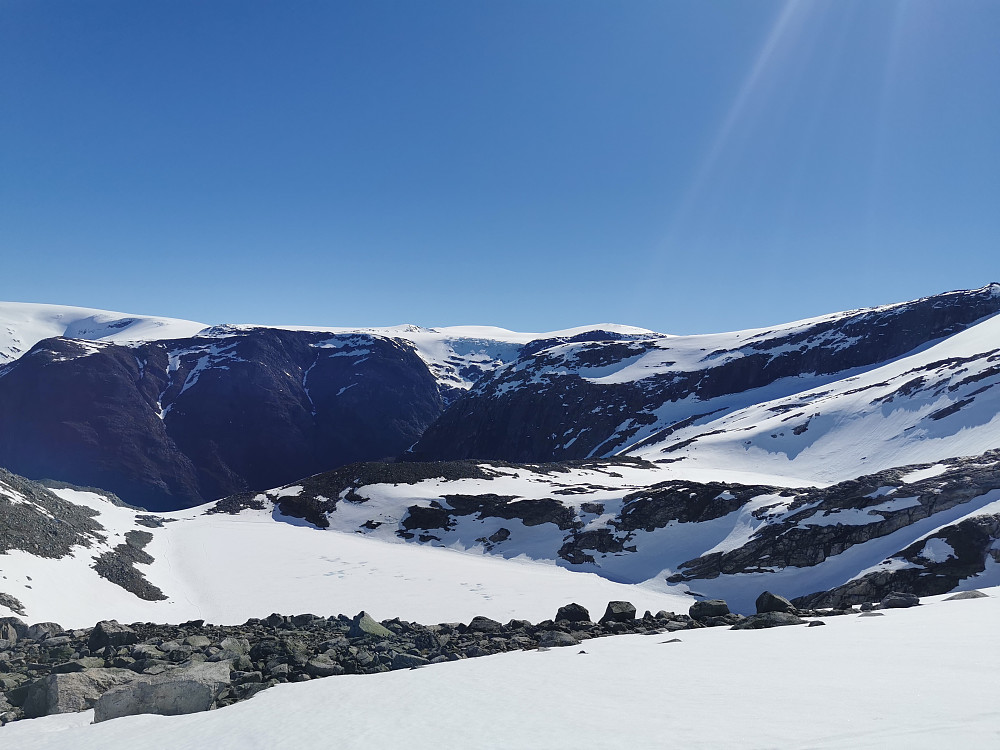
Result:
[
  {"x": 708, "y": 608},
  {"x": 899, "y": 600},
  {"x": 364, "y": 626},
  {"x": 181, "y": 691},
  {"x": 573, "y": 613},
  {"x": 482, "y": 624},
  {"x": 12, "y": 628},
  {"x": 408, "y": 661},
  {"x": 768, "y": 620},
  {"x": 79, "y": 665},
  {"x": 111, "y": 633},
  {"x": 42, "y": 630},
  {"x": 619, "y": 612},
  {"x": 553, "y": 638},
  {"x": 768, "y": 602},
  {"x": 974, "y": 594},
  {"x": 69, "y": 693},
  {"x": 324, "y": 666}
]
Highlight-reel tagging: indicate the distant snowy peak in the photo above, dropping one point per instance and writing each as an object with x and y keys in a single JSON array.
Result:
[{"x": 22, "y": 325}]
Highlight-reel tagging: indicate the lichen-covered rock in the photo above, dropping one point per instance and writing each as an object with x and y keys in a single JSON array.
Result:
[{"x": 363, "y": 625}]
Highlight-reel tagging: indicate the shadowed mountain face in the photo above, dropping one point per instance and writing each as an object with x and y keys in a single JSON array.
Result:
[{"x": 175, "y": 423}]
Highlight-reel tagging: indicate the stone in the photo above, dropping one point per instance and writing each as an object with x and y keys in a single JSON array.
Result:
[
  {"x": 554, "y": 638},
  {"x": 42, "y": 630},
  {"x": 111, "y": 633},
  {"x": 768, "y": 602},
  {"x": 181, "y": 691},
  {"x": 322, "y": 666},
  {"x": 619, "y": 611},
  {"x": 408, "y": 661},
  {"x": 899, "y": 600},
  {"x": 12, "y": 628},
  {"x": 871, "y": 613},
  {"x": 146, "y": 651},
  {"x": 708, "y": 608},
  {"x": 816, "y": 623},
  {"x": 364, "y": 626},
  {"x": 974, "y": 594},
  {"x": 197, "y": 641},
  {"x": 768, "y": 620},
  {"x": 482, "y": 624},
  {"x": 78, "y": 665},
  {"x": 573, "y": 613},
  {"x": 70, "y": 693}
]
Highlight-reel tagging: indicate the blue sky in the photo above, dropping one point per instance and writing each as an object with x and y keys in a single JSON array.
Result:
[{"x": 684, "y": 166}]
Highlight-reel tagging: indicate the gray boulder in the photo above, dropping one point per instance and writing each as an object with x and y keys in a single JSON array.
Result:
[
  {"x": 408, "y": 661},
  {"x": 554, "y": 638},
  {"x": 974, "y": 594},
  {"x": 111, "y": 633},
  {"x": 364, "y": 626},
  {"x": 768, "y": 602},
  {"x": 42, "y": 630},
  {"x": 181, "y": 691},
  {"x": 482, "y": 624},
  {"x": 899, "y": 600},
  {"x": 69, "y": 693},
  {"x": 768, "y": 620},
  {"x": 12, "y": 628},
  {"x": 573, "y": 613},
  {"x": 324, "y": 666},
  {"x": 708, "y": 608},
  {"x": 619, "y": 612}
]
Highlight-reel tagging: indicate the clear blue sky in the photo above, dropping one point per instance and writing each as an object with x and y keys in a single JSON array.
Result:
[{"x": 676, "y": 164}]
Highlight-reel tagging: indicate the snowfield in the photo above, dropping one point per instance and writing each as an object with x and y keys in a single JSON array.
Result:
[
  {"x": 916, "y": 678},
  {"x": 225, "y": 569}
]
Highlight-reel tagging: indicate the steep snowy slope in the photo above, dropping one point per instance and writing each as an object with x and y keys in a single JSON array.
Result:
[{"x": 915, "y": 678}]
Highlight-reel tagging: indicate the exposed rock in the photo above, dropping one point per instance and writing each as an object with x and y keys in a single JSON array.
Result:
[
  {"x": 12, "y": 628},
  {"x": 42, "y": 630},
  {"x": 768, "y": 602},
  {"x": 182, "y": 691},
  {"x": 619, "y": 611},
  {"x": 323, "y": 666},
  {"x": 118, "y": 566},
  {"x": 481, "y": 624},
  {"x": 708, "y": 608},
  {"x": 408, "y": 661},
  {"x": 973, "y": 594},
  {"x": 364, "y": 626},
  {"x": 899, "y": 600},
  {"x": 816, "y": 623},
  {"x": 111, "y": 633},
  {"x": 573, "y": 613},
  {"x": 768, "y": 620},
  {"x": 12, "y": 603},
  {"x": 554, "y": 638},
  {"x": 69, "y": 693}
]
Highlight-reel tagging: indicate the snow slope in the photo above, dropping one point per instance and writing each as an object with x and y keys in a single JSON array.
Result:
[
  {"x": 225, "y": 569},
  {"x": 940, "y": 402},
  {"x": 916, "y": 678},
  {"x": 22, "y": 325}
]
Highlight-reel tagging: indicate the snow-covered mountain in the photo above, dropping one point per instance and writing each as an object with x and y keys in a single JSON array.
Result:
[{"x": 173, "y": 413}]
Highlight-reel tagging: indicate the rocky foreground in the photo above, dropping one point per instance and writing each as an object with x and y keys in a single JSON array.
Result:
[{"x": 120, "y": 670}]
